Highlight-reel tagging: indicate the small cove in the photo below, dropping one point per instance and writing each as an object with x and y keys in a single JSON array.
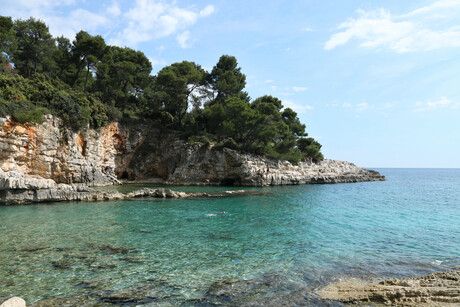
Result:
[{"x": 291, "y": 239}]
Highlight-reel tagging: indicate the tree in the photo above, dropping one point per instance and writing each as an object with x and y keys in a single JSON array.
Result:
[
  {"x": 178, "y": 86},
  {"x": 35, "y": 46},
  {"x": 123, "y": 78},
  {"x": 87, "y": 51},
  {"x": 295, "y": 126},
  {"x": 227, "y": 80},
  {"x": 233, "y": 119},
  {"x": 7, "y": 39},
  {"x": 65, "y": 68},
  {"x": 310, "y": 149}
]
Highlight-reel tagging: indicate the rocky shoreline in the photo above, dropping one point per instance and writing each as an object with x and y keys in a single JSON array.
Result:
[
  {"x": 437, "y": 289},
  {"x": 16, "y": 190},
  {"x": 47, "y": 162}
]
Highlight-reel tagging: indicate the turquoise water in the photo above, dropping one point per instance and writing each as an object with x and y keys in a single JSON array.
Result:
[{"x": 292, "y": 238}]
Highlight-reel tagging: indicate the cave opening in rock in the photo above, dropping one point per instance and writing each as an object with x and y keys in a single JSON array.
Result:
[
  {"x": 230, "y": 182},
  {"x": 125, "y": 175}
]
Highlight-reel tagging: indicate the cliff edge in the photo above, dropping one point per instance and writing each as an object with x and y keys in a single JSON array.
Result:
[{"x": 50, "y": 157}]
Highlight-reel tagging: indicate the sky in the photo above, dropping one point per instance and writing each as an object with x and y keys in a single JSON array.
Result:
[{"x": 376, "y": 82}]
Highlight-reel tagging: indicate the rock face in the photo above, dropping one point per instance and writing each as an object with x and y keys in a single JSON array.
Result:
[
  {"x": 438, "y": 289},
  {"x": 26, "y": 190},
  {"x": 199, "y": 165},
  {"x": 51, "y": 152},
  {"x": 49, "y": 159}
]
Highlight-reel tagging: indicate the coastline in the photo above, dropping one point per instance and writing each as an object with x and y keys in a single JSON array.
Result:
[
  {"x": 437, "y": 289},
  {"x": 18, "y": 188},
  {"x": 433, "y": 290},
  {"x": 46, "y": 162}
]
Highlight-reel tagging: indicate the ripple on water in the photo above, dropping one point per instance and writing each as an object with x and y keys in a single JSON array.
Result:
[{"x": 276, "y": 247}]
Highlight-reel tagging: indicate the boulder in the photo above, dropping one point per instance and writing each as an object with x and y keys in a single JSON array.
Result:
[{"x": 14, "y": 302}]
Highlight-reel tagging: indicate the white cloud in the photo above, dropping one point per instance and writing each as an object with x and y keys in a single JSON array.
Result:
[
  {"x": 114, "y": 9},
  {"x": 346, "y": 105},
  {"x": 183, "y": 38},
  {"x": 50, "y": 12},
  {"x": 146, "y": 20},
  {"x": 300, "y": 109},
  {"x": 441, "y": 103},
  {"x": 208, "y": 10},
  {"x": 299, "y": 89},
  {"x": 307, "y": 29},
  {"x": 438, "y": 9},
  {"x": 37, "y": 4},
  {"x": 77, "y": 20},
  {"x": 404, "y": 33},
  {"x": 149, "y": 20}
]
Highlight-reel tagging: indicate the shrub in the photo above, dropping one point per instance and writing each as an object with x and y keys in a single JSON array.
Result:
[{"x": 31, "y": 116}]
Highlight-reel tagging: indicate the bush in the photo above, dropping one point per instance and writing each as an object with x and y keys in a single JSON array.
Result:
[
  {"x": 70, "y": 110},
  {"x": 25, "y": 99},
  {"x": 34, "y": 116}
]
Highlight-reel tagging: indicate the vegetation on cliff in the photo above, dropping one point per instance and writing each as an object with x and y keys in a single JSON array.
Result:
[{"x": 87, "y": 82}]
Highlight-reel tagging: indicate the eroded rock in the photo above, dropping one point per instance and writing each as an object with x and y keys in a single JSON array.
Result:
[
  {"x": 14, "y": 302},
  {"x": 141, "y": 153},
  {"x": 438, "y": 289}
]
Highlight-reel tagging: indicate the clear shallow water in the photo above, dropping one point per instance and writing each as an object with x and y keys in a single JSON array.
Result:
[{"x": 299, "y": 236}]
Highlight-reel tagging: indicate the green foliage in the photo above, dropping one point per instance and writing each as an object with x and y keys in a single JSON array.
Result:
[
  {"x": 30, "y": 116},
  {"x": 88, "y": 83},
  {"x": 227, "y": 79},
  {"x": 26, "y": 99},
  {"x": 177, "y": 87},
  {"x": 34, "y": 47},
  {"x": 310, "y": 149},
  {"x": 71, "y": 110},
  {"x": 7, "y": 39},
  {"x": 65, "y": 67},
  {"x": 122, "y": 71},
  {"x": 87, "y": 51}
]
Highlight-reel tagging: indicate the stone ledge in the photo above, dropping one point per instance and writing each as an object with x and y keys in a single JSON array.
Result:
[{"x": 438, "y": 289}]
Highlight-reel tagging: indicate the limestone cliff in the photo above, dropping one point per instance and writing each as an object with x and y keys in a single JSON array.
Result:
[
  {"x": 51, "y": 152},
  {"x": 138, "y": 153}
]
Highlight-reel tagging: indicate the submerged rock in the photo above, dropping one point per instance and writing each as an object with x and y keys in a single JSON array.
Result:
[
  {"x": 438, "y": 289},
  {"x": 95, "y": 294},
  {"x": 269, "y": 290}
]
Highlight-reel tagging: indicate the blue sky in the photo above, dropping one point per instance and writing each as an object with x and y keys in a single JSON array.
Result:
[{"x": 376, "y": 82}]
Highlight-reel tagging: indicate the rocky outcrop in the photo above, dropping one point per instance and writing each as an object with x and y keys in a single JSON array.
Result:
[
  {"x": 140, "y": 153},
  {"x": 17, "y": 189},
  {"x": 52, "y": 152},
  {"x": 14, "y": 302},
  {"x": 199, "y": 165},
  {"x": 438, "y": 289}
]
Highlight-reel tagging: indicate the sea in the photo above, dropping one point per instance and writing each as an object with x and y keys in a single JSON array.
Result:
[{"x": 273, "y": 247}]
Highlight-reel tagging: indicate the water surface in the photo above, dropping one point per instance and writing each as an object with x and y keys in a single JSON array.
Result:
[{"x": 292, "y": 239}]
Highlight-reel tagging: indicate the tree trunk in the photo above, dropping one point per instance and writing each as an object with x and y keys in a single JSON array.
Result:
[{"x": 86, "y": 79}]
